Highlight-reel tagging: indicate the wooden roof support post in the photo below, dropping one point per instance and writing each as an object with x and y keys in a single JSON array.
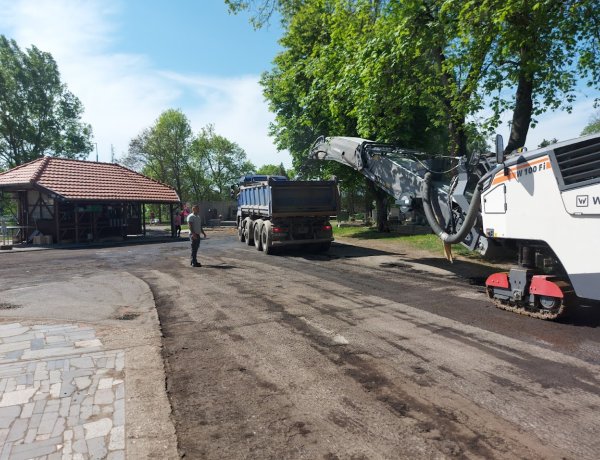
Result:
[
  {"x": 172, "y": 218},
  {"x": 76, "y": 222},
  {"x": 57, "y": 219}
]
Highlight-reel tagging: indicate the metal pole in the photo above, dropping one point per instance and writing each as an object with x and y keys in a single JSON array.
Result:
[{"x": 96, "y": 143}]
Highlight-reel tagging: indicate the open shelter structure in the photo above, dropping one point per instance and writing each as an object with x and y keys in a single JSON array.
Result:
[{"x": 78, "y": 201}]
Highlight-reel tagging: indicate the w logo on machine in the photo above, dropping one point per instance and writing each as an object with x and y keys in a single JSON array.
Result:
[{"x": 582, "y": 201}]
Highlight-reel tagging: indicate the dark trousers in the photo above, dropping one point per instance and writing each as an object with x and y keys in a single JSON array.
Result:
[{"x": 195, "y": 246}]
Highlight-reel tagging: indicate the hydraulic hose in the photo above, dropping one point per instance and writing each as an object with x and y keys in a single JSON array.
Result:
[{"x": 435, "y": 225}]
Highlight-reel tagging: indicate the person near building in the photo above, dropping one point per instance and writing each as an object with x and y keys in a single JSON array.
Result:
[
  {"x": 177, "y": 223},
  {"x": 194, "y": 222}
]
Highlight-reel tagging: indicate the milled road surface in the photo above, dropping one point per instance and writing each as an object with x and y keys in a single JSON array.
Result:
[{"x": 373, "y": 351}]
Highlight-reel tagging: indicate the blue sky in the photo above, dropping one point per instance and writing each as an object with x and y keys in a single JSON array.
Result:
[{"x": 129, "y": 60}]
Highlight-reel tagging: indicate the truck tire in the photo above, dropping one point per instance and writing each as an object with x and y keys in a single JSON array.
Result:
[
  {"x": 248, "y": 231},
  {"x": 265, "y": 237},
  {"x": 258, "y": 225},
  {"x": 241, "y": 236}
]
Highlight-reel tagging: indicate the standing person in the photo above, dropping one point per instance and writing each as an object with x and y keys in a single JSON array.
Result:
[
  {"x": 194, "y": 222},
  {"x": 177, "y": 223}
]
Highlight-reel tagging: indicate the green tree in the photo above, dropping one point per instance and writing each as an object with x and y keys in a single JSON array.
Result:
[
  {"x": 593, "y": 126},
  {"x": 272, "y": 170},
  {"x": 546, "y": 142},
  {"x": 162, "y": 150},
  {"x": 221, "y": 160},
  {"x": 38, "y": 115},
  {"x": 540, "y": 51}
]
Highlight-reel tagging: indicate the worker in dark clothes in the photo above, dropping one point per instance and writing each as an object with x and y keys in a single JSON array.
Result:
[{"x": 194, "y": 222}]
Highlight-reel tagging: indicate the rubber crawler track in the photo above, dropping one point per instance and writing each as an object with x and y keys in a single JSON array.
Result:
[{"x": 534, "y": 314}]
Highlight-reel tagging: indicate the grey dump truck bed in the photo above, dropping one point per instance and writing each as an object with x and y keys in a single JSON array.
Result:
[{"x": 289, "y": 198}]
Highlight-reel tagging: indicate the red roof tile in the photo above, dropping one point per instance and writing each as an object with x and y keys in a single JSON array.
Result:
[{"x": 86, "y": 180}]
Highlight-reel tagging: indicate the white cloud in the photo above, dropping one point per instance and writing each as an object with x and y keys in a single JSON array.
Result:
[{"x": 124, "y": 93}]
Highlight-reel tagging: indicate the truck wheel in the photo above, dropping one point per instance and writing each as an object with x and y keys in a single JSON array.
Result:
[
  {"x": 241, "y": 236},
  {"x": 248, "y": 231},
  {"x": 265, "y": 236},
  {"x": 258, "y": 225}
]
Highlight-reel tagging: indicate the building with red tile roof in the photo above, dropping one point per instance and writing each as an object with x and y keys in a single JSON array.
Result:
[{"x": 72, "y": 200}]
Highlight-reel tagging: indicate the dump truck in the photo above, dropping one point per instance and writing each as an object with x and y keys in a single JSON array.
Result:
[{"x": 274, "y": 212}]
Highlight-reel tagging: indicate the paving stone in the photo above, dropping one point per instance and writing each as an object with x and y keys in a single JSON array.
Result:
[
  {"x": 104, "y": 397},
  {"x": 79, "y": 432},
  {"x": 14, "y": 355},
  {"x": 47, "y": 353},
  {"x": 11, "y": 385},
  {"x": 47, "y": 423},
  {"x": 119, "y": 391},
  {"x": 20, "y": 345},
  {"x": 8, "y": 414},
  {"x": 119, "y": 414},
  {"x": 82, "y": 382},
  {"x": 28, "y": 410},
  {"x": 117, "y": 438},
  {"x": 18, "y": 429},
  {"x": 30, "y": 436},
  {"x": 59, "y": 427},
  {"x": 116, "y": 455},
  {"x": 37, "y": 344},
  {"x": 35, "y": 420},
  {"x": 39, "y": 406},
  {"x": 5, "y": 452},
  {"x": 65, "y": 404},
  {"x": 12, "y": 398},
  {"x": 12, "y": 331},
  {"x": 3, "y": 434},
  {"x": 80, "y": 446},
  {"x": 66, "y": 389},
  {"x": 55, "y": 456},
  {"x": 82, "y": 363},
  {"x": 34, "y": 449},
  {"x": 98, "y": 428},
  {"x": 105, "y": 383},
  {"x": 55, "y": 390},
  {"x": 97, "y": 448},
  {"x": 92, "y": 343},
  {"x": 120, "y": 362}
]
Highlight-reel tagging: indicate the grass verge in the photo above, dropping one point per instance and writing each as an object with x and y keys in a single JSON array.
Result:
[{"x": 428, "y": 242}]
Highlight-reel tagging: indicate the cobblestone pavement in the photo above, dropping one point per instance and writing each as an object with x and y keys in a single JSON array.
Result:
[{"x": 62, "y": 394}]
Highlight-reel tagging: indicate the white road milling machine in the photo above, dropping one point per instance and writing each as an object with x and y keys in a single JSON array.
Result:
[{"x": 542, "y": 205}]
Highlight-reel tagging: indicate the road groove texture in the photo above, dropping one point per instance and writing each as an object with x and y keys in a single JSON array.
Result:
[{"x": 334, "y": 357}]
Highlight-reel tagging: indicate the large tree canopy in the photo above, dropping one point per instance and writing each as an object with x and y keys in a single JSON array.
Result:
[
  {"x": 38, "y": 115},
  {"x": 162, "y": 151},
  {"x": 222, "y": 161},
  {"x": 419, "y": 71},
  {"x": 198, "y": 167}
]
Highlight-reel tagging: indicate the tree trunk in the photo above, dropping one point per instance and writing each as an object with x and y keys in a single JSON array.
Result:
[
  {"x": 381, "y": 198},
  {"x": 522, "y": 112}
]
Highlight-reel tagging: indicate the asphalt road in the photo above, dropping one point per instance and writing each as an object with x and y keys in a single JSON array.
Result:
[{"x": 367, "y": 352}]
